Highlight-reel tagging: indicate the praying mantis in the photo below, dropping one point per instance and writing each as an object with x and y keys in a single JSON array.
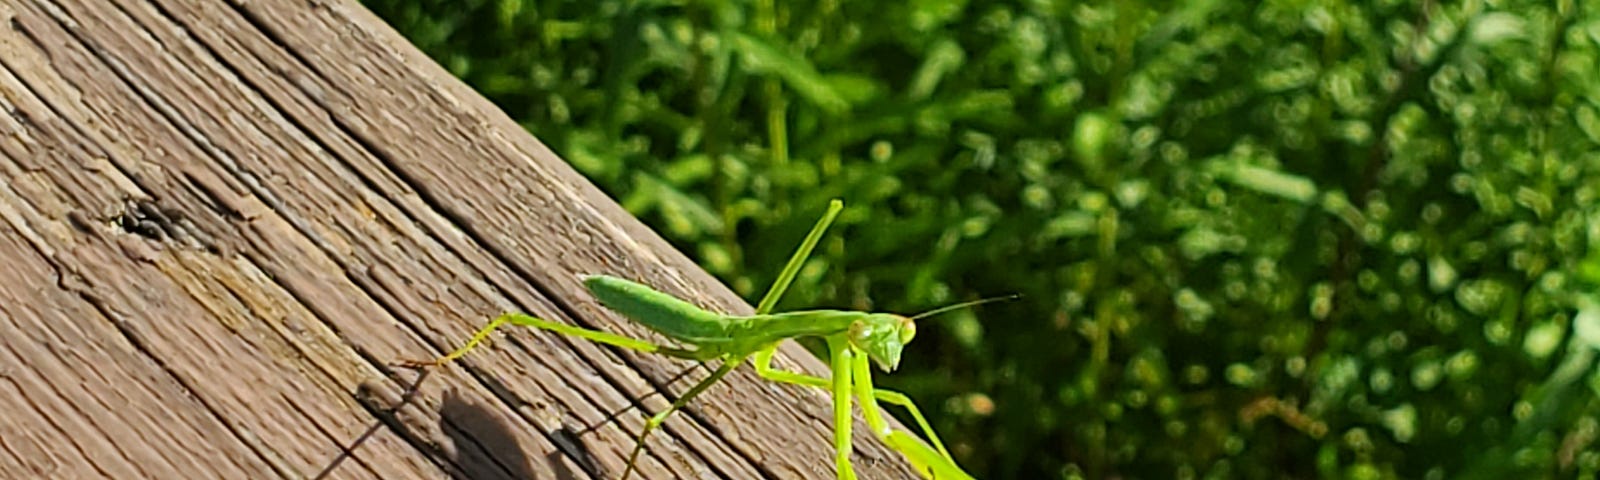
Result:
[{"x": 853, "y": 338}]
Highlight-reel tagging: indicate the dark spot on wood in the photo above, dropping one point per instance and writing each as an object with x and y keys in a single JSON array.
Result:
[
  {"x": 81, "y": 222},
  {"x": 169, "y": 226},
  {"x": 141, "y": 217}
]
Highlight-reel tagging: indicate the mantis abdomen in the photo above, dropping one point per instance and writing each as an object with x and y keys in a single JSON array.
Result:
[{"x": 663, "y": 313}]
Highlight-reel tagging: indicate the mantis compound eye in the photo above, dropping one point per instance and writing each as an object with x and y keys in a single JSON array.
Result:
[{"x": 908, "y": 330}]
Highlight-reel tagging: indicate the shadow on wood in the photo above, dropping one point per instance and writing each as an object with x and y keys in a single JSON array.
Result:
[
  {"x": 470, "y": 423},
  {"x": 385, "y": 419}
]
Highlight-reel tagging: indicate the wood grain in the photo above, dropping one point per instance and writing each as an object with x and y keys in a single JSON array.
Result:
[{"x": 223, "y": 221}]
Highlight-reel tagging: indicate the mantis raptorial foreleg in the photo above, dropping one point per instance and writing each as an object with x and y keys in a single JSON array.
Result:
[
  {"x": 765, "y": 370},
  {"x": 930, "y": 465},
  {"x": 840, "y": 353}
]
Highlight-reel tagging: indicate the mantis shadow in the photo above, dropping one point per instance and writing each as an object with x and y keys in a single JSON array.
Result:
[
  {"x": 385, "y": 416},
  {"x": 636, "y": 405},
  {"x": 497, "y": 451},
  {"x": 481, "y": 445}
]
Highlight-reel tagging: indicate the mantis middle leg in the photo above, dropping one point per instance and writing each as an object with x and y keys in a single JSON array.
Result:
[{"x": 728, "y": 364}]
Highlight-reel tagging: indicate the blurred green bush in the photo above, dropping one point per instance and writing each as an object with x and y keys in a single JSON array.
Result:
[{"x": 1294, "y": 239}]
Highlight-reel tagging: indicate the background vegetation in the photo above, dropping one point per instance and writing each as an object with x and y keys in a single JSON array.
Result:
[{"x": 1286, "y": 239}]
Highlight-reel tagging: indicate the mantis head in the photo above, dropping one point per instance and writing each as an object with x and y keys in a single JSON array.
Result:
[{"x": 883, "y": 336}]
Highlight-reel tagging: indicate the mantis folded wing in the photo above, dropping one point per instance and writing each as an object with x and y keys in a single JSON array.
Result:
[{"x": 854, "y": 340}]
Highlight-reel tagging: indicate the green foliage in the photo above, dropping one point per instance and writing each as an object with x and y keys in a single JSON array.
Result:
[{"x": 1293, "y": 239}]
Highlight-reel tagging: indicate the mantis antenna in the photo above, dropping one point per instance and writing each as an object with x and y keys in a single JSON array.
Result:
[{"x": 961, "y": 305}]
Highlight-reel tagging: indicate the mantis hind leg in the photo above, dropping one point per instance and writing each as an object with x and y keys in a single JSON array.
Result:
[
  {"x": 530, "y": 321},
  {"x": 656, "y": 420}
]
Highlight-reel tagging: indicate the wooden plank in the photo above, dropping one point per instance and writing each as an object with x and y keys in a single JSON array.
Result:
[
  {"x": 77, "y": 387},
  {"x": 230, "y": 217}
]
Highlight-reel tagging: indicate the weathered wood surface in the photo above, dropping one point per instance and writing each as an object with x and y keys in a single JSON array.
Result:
[{"x": 223, "y": 220}]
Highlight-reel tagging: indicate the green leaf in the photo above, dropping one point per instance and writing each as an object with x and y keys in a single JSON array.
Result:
[{"x": 798, "y": 73}]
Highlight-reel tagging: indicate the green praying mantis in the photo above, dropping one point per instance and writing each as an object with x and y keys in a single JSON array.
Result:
[{"x": 853, "y": 339}]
